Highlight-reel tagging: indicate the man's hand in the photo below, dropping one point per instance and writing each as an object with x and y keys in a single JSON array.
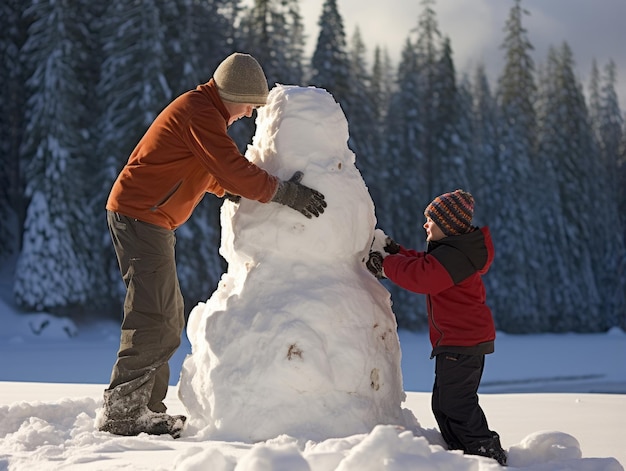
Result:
[
  {"x": 375, "y": 265},
  {"x": 299, "y": 197}
]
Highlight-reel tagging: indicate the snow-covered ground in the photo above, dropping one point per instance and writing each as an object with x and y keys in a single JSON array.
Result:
[
  {"x": 51, "y": 386},
  {"x": 295, "y": 363}
]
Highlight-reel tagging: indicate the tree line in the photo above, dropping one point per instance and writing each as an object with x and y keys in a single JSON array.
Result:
[{"x": 543, "y": 154}]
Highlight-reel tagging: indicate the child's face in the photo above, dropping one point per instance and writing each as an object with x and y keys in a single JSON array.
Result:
[{"x": 433, "y": 232}]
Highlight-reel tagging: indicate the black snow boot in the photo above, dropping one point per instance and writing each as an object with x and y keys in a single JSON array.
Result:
[
  {"x": 126, "y": 415},
  {"x": 491, "y": 448}
]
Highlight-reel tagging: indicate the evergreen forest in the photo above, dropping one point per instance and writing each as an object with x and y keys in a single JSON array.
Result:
[{"x": 543, "y": 154}]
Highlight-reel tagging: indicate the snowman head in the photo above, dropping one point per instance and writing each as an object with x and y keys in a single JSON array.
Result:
[{"x": 303, "y": 129}]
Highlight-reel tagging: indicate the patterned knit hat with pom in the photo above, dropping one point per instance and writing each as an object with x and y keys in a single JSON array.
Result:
[
  {"x": 240, "y": 79},
  {"x": 452, "y": 212}
]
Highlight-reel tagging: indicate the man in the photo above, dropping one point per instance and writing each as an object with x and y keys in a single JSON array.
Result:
[{"x": 185, "y": 153}]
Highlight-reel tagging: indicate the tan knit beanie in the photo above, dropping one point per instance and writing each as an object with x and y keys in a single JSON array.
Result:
[{"x": 240, "y": 79}]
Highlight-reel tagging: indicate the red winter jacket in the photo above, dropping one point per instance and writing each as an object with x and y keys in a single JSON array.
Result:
[
  {"x": 185, "y": 153},
  {"x": 449, "y": 273}
]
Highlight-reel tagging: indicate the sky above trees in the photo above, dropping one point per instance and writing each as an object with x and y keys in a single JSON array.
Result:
[{"x": 592, "y": 29}]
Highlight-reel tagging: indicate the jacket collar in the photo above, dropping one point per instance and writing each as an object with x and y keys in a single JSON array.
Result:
[
  {"x": 209, "y": 89},
  {"x": 476, "y": 245}
]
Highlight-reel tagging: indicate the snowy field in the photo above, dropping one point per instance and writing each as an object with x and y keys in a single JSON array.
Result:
[{"x": 571, "y": 385}]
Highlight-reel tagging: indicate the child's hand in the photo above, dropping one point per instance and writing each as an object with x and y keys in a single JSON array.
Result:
[
  {"x": 375, "y": 264},
  {"x": 384, "y": 244},
  {"x": 391, "y": 246}
]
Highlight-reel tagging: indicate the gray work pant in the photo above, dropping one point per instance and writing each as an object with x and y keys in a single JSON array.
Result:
[{"x": 153, "y": 312}]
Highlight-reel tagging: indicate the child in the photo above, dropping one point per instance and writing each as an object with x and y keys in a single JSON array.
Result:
[{"x": 461, "y": 325}]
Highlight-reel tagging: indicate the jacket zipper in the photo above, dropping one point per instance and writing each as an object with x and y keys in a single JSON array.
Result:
[
  {"x": 432, "y": 318},
  {"x": 167, "y": 196}
]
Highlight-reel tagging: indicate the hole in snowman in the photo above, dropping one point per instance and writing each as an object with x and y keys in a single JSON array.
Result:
[{"x": 294, "y": 351}]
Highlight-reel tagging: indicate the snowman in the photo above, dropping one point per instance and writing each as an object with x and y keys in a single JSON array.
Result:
[{"x": 298, "y": 338}]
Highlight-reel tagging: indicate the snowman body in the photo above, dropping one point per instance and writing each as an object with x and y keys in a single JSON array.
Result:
[{"x": 298, "y": 338}]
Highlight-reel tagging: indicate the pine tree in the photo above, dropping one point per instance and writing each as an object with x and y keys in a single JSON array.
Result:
[
  {"x": 607, "y": 122},
  {"x": 514, "y": 302},
  {"x": 595, "y": 106},
  {"x": 621, "y": 172},
  {"x": 621, "y": 184},
  {"x": 451, "y": 127},
  {"x": 428, "y": 64},
  {"x": 381, "y": 85},
  {"x": 13, "y": 24},
  {"x": 330, "y": 63},
  {"x": 382, "y": 81},
  {"x": 198, "y": 36},
  {"x": 293, "y": 74},
  {"x": 611, "y": 117},
  {"x": 559, "y": 294},
  {"x": 51, "y": 270},
  {"x": 483, "y": 168},
  {"x": 360, "y": 111},
  {"x": 586, "y": 198},
  {"x": 272, "y": 32}
]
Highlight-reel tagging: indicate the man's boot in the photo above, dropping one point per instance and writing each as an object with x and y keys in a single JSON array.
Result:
[{"x": 128, "y": 415}]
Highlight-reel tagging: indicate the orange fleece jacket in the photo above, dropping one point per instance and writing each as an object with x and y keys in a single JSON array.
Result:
[{"x": 185, "y": 153}]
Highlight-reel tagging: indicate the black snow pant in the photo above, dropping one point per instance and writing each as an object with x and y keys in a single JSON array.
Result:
[
  {"x": 153, "y": 312},
  {"x": 455, "y": 405}
]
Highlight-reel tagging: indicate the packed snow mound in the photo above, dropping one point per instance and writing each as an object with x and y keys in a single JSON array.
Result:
[
  {"x": 299, "y": 338},
  {"x": 545, "y": 446}
]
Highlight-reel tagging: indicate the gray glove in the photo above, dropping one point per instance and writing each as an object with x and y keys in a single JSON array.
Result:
[
  {"x": 299, "y": 197},
  {"x": 375, "y": 265}
]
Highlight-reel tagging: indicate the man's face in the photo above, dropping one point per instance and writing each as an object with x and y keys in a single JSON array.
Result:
[
  {"x": 238, "y": 110},
  {"x": 433, "y": 232}
]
